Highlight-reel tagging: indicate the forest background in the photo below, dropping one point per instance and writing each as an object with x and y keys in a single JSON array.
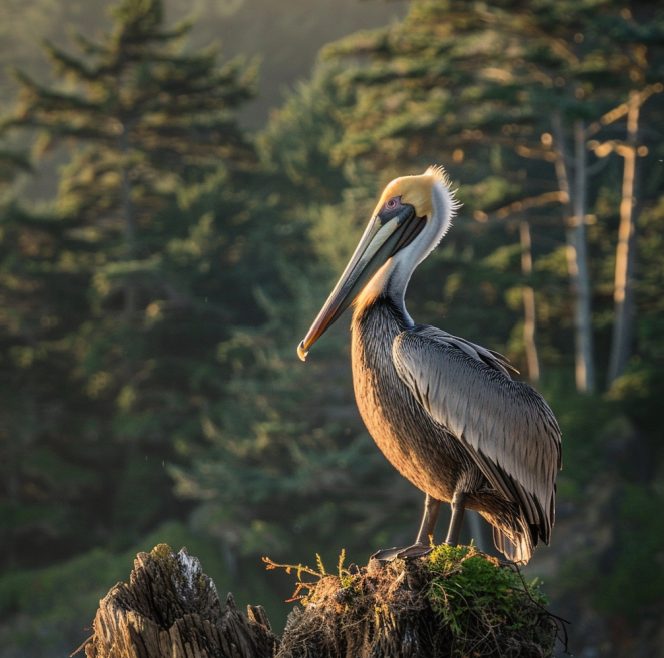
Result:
[{"x": 171, "y": 218}]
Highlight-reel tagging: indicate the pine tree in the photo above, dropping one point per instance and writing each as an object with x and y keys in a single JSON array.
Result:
[
  {"x": 144, "y": 118},
  {"x": 505, "y": 95},
  {"x": 111, "y": 320}
]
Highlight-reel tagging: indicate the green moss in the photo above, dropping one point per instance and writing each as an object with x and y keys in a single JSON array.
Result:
[{"x": 470, "y": 590}]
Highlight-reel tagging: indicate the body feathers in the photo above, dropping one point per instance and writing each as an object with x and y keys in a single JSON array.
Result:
[{"x": 448, "y": 416}]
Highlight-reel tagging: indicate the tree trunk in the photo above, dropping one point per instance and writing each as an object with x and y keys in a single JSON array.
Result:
[
  {"x": 623, "y": 293},
  {"x": 528, "y": 293},
  {"x": 577, "y": 251},
  {"x": 170, "y": 609},
  {"x": 585, "y": 371}
]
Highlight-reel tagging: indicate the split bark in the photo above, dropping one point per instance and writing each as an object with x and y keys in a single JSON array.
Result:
[{"x": 170, "y": 609}]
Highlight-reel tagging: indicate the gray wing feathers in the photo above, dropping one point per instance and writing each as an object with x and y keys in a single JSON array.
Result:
[
  {"x": 507, "y": 427},
  {"x": 489, "y": 357}
]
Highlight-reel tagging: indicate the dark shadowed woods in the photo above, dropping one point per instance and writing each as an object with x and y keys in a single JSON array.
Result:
[{"x": 169, "y": 226}]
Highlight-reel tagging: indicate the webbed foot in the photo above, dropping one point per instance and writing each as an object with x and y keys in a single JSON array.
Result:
[{"x": 402, "y": 553}]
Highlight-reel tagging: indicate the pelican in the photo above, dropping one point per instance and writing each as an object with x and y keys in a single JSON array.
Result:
[{"x": 444, "y": 411}]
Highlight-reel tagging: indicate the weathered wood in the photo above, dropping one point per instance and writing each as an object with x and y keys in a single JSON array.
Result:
[
  {"x": 171, "y": 609},
  {"x": 413, "y": 609}
]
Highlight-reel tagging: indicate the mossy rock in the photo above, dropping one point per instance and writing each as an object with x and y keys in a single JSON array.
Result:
[{"x": 454, "y": 602}]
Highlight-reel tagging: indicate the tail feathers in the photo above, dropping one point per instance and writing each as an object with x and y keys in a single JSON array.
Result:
[{"x": 515, "y": 543}]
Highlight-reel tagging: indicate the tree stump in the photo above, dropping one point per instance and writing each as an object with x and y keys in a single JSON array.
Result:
[
  {"x": 455, "y": 602},
  {"x": 171, "y": 609}
]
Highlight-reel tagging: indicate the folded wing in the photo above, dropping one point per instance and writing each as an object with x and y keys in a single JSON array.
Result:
[{"x": 506, "y": 426}]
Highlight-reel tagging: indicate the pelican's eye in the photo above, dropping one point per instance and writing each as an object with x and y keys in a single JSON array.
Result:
[
  {"x": 393, "y": 203},
  {"x": 394, "y": 210}
]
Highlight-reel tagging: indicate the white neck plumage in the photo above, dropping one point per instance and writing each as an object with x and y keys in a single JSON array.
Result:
[{"x": 392, "y": 279}]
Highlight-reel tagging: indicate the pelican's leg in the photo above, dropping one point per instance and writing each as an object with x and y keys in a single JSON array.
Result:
[
  {"x": 429, "y": 518},
  {"x": 421, "y": 546},
  {"x": 458, "y": 507}
]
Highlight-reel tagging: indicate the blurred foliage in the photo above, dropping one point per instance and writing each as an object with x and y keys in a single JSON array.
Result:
[
  {"x": 631, "y": 589},
  {"x": 98, "y": 288},
  {"x": 626, "y": 582},
  {"x": 52, "y": 605},
  {"x": 149, "y": 311}
]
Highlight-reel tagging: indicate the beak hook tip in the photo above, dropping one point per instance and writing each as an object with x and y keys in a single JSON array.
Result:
[{"x": 301, "y": 352}]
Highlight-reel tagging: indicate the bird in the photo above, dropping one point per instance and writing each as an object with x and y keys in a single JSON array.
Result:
[{"x": 447, "y": 413}]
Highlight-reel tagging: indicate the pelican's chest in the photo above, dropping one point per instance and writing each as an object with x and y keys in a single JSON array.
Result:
[
  {"x": 413, "y": 443},
  {"x": 385, "y": 403},
  {"x": 378, "y": 389}
]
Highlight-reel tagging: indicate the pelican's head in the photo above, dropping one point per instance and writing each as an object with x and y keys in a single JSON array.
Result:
[{"x": 412, "y": 215}]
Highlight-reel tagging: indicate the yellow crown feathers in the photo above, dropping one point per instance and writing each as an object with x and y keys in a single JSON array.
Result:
[{"x": 417, "y": 190}]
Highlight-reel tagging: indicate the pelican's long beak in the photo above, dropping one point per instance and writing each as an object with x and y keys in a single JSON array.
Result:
[{"x": 379, "y": 242}]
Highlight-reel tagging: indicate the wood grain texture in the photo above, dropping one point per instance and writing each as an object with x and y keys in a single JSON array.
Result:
[{"x": 171, "y": 609}]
